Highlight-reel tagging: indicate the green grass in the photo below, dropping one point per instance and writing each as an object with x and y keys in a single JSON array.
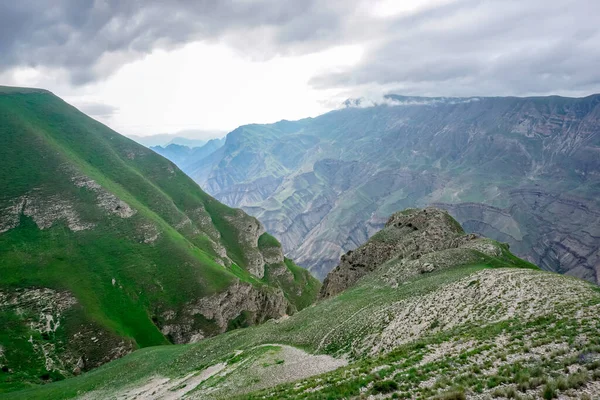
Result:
[
  {"x": 301, "y": 279},
  {"x": 332, "y": 326},
  {"x": 44, "y": 143},
  {"x": 153, "y": 278},
  {"x": 310, "y": 329},
  {"x": 265, "y": 241}
]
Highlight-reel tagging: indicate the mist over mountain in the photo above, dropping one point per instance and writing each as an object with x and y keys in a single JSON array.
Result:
[
  {"x": 525, "y": 171},
  {"x": 189, "y": 138},
  {"x": 185, "y": 156}
]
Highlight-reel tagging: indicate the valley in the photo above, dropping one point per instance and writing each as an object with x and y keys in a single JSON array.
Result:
[
  {"x": 459, "y": 317},
  {"x": 525, "y": 171}
]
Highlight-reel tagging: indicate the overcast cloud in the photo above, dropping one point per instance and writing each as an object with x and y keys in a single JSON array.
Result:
[{"x": 315, "y": 52}]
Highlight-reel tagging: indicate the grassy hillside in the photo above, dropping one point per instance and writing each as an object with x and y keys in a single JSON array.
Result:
[
  {"x": 475, "y": 325},
  {"x": 106, "y": 246}
]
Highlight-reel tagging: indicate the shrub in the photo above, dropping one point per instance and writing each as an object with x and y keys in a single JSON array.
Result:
[
  {"x": 549, "y": 391},
  {"x": 384, "y": 386}
]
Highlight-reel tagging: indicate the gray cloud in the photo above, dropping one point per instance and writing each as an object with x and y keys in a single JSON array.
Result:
[
  {"x": 474, "y": 47},
  {"x": 93, "y": 38},
  {"x": 461, "y": 47},
  {"x": 100, "y": 110}
]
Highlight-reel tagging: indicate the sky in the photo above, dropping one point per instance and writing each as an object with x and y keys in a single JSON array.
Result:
[{"x": 147, "y": 67}]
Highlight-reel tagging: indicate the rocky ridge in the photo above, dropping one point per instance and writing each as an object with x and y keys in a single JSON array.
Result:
[{"x": 415, "y": 240}]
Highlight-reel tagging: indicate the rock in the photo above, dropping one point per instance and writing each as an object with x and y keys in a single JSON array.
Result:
[
  {"x": 254, "y": 304},
  {"x": 427, "y": 267},
  {"x": 574, "y": 250},
  {"x": 105, "y": 200},
  {"x": 262, "y": 304},
  {"x": 79, "y": 367},
  {"x": 409, "y": 237},
  {"x": 42, "y": 310},
  {"x": 249, "y": 230}
]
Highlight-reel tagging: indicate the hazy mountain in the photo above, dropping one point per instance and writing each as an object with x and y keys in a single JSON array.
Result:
[
  {"x": 525, "y": 171},
  {"x": 106, "y": 247},
  {"x": 186, "y": 156},
  {"x": 189, "y": 138},
  {"x": 181, "y": 141},
  {"x": 422, "y": 310}
]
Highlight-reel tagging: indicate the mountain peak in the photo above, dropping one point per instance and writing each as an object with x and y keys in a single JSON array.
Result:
[{"x": 413, "y": 241}]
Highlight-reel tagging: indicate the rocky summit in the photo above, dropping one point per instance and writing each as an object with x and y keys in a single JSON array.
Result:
[
  {"x": 421, "y": 311},
  {"x": 413, "y": 241}
]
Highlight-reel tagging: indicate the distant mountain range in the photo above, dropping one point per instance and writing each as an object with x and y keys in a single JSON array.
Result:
[
  {"x": 189, "y": 138},
  {"x": 525, "y": 171},
  {"x": 185, "y": 156}
]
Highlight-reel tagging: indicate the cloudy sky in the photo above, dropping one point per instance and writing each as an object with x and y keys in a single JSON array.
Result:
[{"x": 158, "y": 66}]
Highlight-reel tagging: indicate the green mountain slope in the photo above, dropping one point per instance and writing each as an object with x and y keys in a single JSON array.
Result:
[
  {"x": 106, "y": 247},
  {"x": 525, "y": 171},
  {"x": 460, "y": 316}
]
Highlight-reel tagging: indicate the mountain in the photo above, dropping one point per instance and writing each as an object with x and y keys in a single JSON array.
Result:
[
  {"x": 106, "y": 247},
  {"x": 189, "y": 138},
  {"x": 186, "y": 156},
  {"x": 421, "y": 310},
  {"x": 525, "y": 171},
  {"x": 174, "y": 152},
  {"x": 182, "y": 141}
]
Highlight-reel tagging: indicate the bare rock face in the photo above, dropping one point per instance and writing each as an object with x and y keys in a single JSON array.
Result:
[
  {"x": 260, "y": 304},
  {"x": 249, "y": 231},
  {"x": 60, "y": 348},
  {"x": 106, "y": 200},
  {"x": 409, "y": 236},
  {"x": 242, "y": 303},
  {"x": 44, "y": 211},
  {"x": 572, "y": 244}
]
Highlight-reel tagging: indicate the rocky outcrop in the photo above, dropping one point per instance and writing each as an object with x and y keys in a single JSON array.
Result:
[
  {"x": 249, "y": 230},
  {"x": 260, "y": 304},
  {"x": 242, "y": 304},
  {"x": 44, "y": 210},
  {"x": 105, "y": 200},
  {"x": 49, "y": 339},
  {"x": 414, "y": 239}
]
